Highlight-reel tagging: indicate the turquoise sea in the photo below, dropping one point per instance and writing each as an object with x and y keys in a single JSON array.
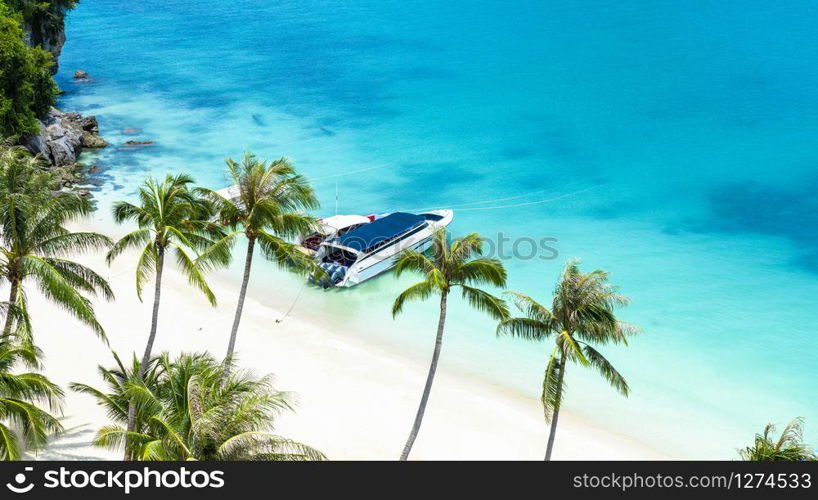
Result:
[{"x": 670, "y": 142}]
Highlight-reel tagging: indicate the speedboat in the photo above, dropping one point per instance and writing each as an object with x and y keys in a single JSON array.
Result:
[{"x": 370, "y": 249}]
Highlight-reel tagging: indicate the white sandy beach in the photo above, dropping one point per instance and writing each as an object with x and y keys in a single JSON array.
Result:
[{"x": 355, "y": 401}]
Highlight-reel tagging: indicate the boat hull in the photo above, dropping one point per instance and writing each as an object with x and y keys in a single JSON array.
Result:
[{"x": 384, "y": 260}]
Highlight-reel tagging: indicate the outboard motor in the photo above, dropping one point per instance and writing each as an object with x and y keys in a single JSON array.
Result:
[{"x": 333, "y": 274}]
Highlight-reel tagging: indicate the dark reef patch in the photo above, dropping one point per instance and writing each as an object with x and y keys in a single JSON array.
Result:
[
  {"x": 755, "y": 208},
  {"x": 516, "y": 153},
  {"x": 789, "y": 212},
  {"x": 430, "y": 181}
]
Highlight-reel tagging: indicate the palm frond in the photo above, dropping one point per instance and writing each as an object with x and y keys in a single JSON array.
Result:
[
  {"x": 411, "y": 260},
  {"x": 419, "y": 291},
  {"x": 58, "y": 289},
  {"x": 133, "y": 239},
  {"x": 482, "y": 271},
  {"x": 285, "y": 254},
  {"x": 553, "y": 386},
  {"x": 9, "y": 444},
  {"x": 606, "y": 369},
  {"x": 524, "y": 328},
  {"x": 485, "y": 302},
  {"x": 219, "y": 253},
  {"x": 194, "y": 274},
  {"x": 262, "y": 446}
]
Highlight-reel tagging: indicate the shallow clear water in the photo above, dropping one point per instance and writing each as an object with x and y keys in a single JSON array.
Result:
[{"x": 671, "y": 143}]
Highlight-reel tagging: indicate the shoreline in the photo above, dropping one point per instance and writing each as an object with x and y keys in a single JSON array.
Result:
[{"x": 355, "y": 399}]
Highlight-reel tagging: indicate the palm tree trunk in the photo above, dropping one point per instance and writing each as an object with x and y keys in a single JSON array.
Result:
[
  {"x": 146, "y": 356},
  {"x": 429, "y": 380},
  {"x": 15, "y": 288},
  {"x": 231, "y": 346},
  {"x": 552, "y": 434}
]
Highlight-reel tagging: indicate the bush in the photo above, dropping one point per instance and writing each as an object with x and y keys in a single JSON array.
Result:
[{"x": 27, "y": 90}]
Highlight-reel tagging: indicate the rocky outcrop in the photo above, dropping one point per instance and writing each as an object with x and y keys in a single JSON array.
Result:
[
  {"x": 63, "y": 135},
  {"x": 48, "y": 33}
]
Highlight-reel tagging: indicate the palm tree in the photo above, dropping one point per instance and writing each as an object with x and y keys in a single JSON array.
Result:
[
  {"x": 789, "y": 447},
  {"x": 115, "y": 399},
  {"x": 581, "y": 314},
  {"x": 170, "y": 217},
  {"x": 194, "y": 413},
  {"x": 35, "y": 242},
  {"x": 448, "y": 268},
  {"x": 267, "y": 205},
  {"x": 24, "y": 425}
]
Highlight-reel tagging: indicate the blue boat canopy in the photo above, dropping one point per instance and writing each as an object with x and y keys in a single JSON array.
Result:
[{"x": 380, "y": 231}]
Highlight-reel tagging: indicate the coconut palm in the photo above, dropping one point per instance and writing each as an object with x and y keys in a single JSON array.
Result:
[
  {"x": 267, "y": 204},
  {"x": 35, "y": 241},
  {"x": 789, "y": 447},
  {"x": 115, "y": 398},
  {"x": 170, "y": 218},
  {"x": 194, "y": 413},
  {"x": 23, "y": 179},
  {"x": 24, "y": 424},
  {"x": 450, "y": 267},
  {"x": 581, "y": 317}
]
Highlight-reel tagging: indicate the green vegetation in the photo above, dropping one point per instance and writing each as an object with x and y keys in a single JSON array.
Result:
[
  {"x": 581, "y": 316},
  {"x": 189, "y": 411},
  {"x": 116, "y": 400},
  {"x": 268, "y": 209},
  {"x": 24, "y": 425},
  {"x": 450, "y": 267},
  {"x": 33, "y": 244},
  {"x": 34, "y": 241},
  {"x": 27, "y": 90},
  {"x": 170, "y": 218},
  {"x": 789, "y": 447},
  {"x": 46, "y": 19}
]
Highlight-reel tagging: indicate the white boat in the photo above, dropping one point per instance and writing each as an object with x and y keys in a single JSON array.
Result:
[{"x": 370, "y": 249}]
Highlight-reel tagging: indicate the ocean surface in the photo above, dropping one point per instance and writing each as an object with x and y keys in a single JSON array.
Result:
[{"x": 671, "y": 143}]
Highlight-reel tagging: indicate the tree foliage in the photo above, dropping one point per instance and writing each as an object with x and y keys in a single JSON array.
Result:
[
  {"x": 789, "y": 447},
  {"x": 27, "y": 90},
  {"x": 45, "y": 19},
  {"x": 25, "y": 425},
  {"x": 188, "y": 411},
  {"x": 268, "y": 204},
  {"x": 35, "y": 244}
]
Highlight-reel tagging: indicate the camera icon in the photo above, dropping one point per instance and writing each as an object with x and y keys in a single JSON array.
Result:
[{"x": 20, "y": 480}]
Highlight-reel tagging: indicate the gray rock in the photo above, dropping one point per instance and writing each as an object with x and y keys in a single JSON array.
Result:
[
  {"x": 62, "y": 137},
  {"x": 92, "y": 141},
  {"x": 89, "y": 124},
  {"x": 80, "y": 75}
]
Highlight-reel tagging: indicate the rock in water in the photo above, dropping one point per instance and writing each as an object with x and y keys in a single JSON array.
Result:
[
  {"x": 63, "y": 135},
  {"x": 80, "y": 75},
  {"x": 93, "y": 141}
]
